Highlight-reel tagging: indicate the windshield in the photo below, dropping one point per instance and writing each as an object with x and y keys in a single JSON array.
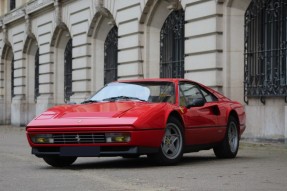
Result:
[{"x": 140, "y": 91}]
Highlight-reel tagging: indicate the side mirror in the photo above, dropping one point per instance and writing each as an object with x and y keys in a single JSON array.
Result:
[{"x": 198, "y": 102}]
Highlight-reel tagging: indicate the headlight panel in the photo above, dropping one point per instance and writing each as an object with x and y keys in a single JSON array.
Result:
[
  {"x": 118, "y": 137},
  {"x": 42, "y": 138}
]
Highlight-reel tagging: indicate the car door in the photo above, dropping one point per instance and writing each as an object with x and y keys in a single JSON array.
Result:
[{"x": 201, "y": 120}]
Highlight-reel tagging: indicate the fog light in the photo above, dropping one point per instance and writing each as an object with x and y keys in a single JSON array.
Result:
[
  {"x": 118, "y": 137},
  {"x": 42, "y": 138}
]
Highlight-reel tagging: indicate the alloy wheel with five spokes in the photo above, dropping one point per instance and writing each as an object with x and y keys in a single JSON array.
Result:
[
  {"x": 171, "y": 149},
  {"x": 172, "y": 141}
]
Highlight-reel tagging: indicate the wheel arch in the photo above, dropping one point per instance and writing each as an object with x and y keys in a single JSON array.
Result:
[
  {"x": 234, "y": 114},
  {"x": 176, "y": 115}
]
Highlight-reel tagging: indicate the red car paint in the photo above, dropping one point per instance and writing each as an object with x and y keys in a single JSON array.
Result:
[{"x": 144, "y": 121}]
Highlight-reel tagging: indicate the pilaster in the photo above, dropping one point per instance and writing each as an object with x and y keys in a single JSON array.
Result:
[
  {"x": 81, "y": 75},
  {"x": 130, "y": 42},
  {"x": 203, "y": 44}
]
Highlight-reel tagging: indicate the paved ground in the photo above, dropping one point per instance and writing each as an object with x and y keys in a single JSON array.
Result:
[{"x": 257, "y": 167}]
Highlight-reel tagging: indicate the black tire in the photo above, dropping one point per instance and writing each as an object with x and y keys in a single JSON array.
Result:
[
  {"x": 171, "y": 149},
  {"x": 57, "y": 161},
  {"x": 228, "y": 148}
]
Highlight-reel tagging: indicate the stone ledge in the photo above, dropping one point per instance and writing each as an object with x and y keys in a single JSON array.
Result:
[
  {"x": 20, "y": 12},
  {"x": 36, "y": 5}
]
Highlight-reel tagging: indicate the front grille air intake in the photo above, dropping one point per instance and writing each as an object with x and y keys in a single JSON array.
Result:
[{"x": 78, "y": 138}]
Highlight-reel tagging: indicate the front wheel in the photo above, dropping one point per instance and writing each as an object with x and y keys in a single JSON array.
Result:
[
  {"x": 171, "y": 149},
  {"x": 57, "y": 161},
  {"x": 228, "y": 148}
]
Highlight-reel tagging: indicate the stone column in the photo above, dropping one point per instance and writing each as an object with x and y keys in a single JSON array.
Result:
[{"x": 1, "y": 75}]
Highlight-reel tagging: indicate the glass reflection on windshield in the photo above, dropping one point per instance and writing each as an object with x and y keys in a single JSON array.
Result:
[{"x": 140, "y": 91}]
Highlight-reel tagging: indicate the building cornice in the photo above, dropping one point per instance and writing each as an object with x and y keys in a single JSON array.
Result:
[
  {"x": 38, "y": 4},
  {"x": 28, "y": 8},
  {"x": 14, "y": 15}
]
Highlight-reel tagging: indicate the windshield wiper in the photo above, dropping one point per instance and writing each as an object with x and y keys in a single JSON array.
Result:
[
  {"x": 122, "y": 97},
  {"x": 89, "y": 101}
]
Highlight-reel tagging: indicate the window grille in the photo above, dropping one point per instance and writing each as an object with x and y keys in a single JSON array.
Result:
[
  {"x": 111, "y": 56},
  {"x": 265, "y": 71},
  {"x": 12, "y": 4},
  {"x": 68, "y": 71},
  {"x": 36, "y": 90},
  {"x": 172, "y": 46}
]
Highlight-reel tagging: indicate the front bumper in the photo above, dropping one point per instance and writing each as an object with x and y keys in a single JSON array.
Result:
[
  {"x": 92, "y": 151},
  {"x": 141, "y": 142}
]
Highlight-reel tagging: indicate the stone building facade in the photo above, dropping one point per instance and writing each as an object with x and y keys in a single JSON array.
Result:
[{"x": 35, "y": 56}]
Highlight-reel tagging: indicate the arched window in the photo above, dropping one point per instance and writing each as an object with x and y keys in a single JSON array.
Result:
[
  {"x": 111, "y": 56},
  {"x": 12, "y": 78},
  {"x": 68, "y": 71},
  {"x": 265, "y": 71},
  {"x": 36, "y": 90},
  {"x": 172, "y": 46}
]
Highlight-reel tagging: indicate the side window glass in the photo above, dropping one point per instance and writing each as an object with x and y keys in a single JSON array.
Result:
[
  {"x": 208, "y": 96},
  {"x": 182, "y": 101},
  {"x": 188, "y": 93}
]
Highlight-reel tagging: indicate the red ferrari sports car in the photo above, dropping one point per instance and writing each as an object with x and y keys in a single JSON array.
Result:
[{"x": 160, "y": 118}]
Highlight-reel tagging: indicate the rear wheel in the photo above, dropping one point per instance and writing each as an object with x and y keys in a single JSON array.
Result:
[
  {"x": 171, "y": 149},
  {"x": 58, "y": 161},
  {"x": 228, "y": 148}
]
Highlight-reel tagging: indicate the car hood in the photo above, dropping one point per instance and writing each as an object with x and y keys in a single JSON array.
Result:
[
  {"x": 94, "y": 110},
  {"x": 94, "y": 114}
]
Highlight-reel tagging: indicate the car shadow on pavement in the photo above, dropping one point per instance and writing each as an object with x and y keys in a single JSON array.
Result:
[{"x": 143, "y": 162}]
